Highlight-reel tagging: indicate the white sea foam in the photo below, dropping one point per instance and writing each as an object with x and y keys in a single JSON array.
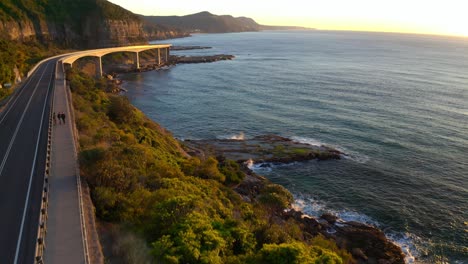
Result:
[
  {"x": 265, "y": 167},
  {"x": 306, "y": 140},
  {"x": 250, "y": 164},
  {"x": 240, "y": 136},
  {"x": 407, "y": 243},
  {"x": 316, "y": 208}
]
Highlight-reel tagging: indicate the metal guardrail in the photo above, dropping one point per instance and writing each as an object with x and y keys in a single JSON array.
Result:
[{"x": 42, "y": 226}]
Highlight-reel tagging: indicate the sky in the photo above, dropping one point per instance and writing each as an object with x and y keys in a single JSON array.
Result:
[{"x": 442, "y": 17}]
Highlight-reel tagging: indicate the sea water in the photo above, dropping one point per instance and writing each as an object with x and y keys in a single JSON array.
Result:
[{"x": 397, "y": 104}]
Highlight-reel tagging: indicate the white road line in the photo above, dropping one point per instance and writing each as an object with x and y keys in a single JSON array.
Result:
[
  {"x": 11, "y": 104},
  {"x": 7, "y": 153},
  {"x": 32, "y": 171}
]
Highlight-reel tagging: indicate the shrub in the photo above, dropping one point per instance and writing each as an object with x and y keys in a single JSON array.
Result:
[
  {"x": 231, "y": 171},
  {"x": 120, "y": 110}
]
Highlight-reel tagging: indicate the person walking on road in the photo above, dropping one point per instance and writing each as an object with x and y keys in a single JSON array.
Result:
[
  {"x": 54, "y": 116},
  {"x": 63, "y": 117}
]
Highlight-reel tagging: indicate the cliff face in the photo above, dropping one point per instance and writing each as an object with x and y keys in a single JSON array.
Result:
[
  {"x": 112, "y": 33},
  {"x": 77, "y": 24},
  {"x": 158, "y": 31},
  {"x": 102, "y": 34}
]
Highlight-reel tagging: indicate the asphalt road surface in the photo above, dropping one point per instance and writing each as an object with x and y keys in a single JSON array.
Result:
[{"x": 23, "y": 145}]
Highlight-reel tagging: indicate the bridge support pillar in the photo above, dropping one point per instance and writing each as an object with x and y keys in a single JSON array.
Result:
[
  {"x": 99, "y": 67},
  {"x": 137, "y": 60},
  {"x": 159, "y": 56}
]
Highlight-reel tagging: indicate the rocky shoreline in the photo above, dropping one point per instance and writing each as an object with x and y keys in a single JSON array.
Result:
[{"x": 366, "y": 243}]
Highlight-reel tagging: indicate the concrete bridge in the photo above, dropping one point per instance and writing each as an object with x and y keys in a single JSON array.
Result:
[{"x": 162, "y": 57}]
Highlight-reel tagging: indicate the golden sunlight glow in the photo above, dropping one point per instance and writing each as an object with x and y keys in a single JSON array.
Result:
[{"x": 445, "y": 17}]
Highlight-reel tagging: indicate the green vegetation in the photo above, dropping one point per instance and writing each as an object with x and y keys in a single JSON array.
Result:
[
  {"x": 183, "y": 208},
  {"x": 22, "y": 57},
  {"x": 61, "y": 10}
]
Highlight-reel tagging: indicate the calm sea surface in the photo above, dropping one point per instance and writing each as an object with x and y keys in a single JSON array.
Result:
[{"x": 397, "y": 104}]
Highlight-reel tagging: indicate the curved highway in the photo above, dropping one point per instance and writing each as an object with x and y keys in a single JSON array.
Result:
[{"x": 23, "y": 144}]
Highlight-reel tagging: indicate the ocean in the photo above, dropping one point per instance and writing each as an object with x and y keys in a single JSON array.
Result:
[{"x": 397, "y": 104}]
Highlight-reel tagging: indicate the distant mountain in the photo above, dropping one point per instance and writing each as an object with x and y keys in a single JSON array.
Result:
[{"x": 205, "y": 22}]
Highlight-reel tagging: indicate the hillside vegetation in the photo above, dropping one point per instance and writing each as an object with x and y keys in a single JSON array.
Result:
[
  {"x": 173, "y": 208},
  {"x": 206, "y": 22},
  {"x": 20, "y": 57}
]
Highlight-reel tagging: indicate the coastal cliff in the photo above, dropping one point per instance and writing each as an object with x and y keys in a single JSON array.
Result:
[{"x": 77, "y": 24}]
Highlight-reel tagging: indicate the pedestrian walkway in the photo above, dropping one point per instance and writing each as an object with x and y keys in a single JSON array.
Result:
[{"x": 64, "y": 239}]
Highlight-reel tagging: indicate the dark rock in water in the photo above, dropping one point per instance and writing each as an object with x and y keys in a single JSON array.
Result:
[
  {"x": 264, "y": 149},
  {"x": 330, "y": 218},
  {"x": 371, "y": 241},
  {"x": 175, "y": 48},
  {"x": 199, "y": 59}
]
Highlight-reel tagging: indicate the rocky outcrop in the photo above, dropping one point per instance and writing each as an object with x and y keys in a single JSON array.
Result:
[
  {"x": 366, "y": 243},
  {"x": 199, "y": 59},
  {"x": 265, "y": 149}
]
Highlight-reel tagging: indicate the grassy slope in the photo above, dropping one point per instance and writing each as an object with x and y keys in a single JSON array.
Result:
[{"x": 175, "y": 208}]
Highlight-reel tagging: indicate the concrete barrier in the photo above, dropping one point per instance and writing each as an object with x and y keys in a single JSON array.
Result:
[{"x": 39, "y": 64}]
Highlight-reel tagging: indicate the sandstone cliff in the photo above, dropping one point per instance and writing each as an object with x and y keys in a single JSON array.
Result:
[{"x": 77, "y": 24}]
